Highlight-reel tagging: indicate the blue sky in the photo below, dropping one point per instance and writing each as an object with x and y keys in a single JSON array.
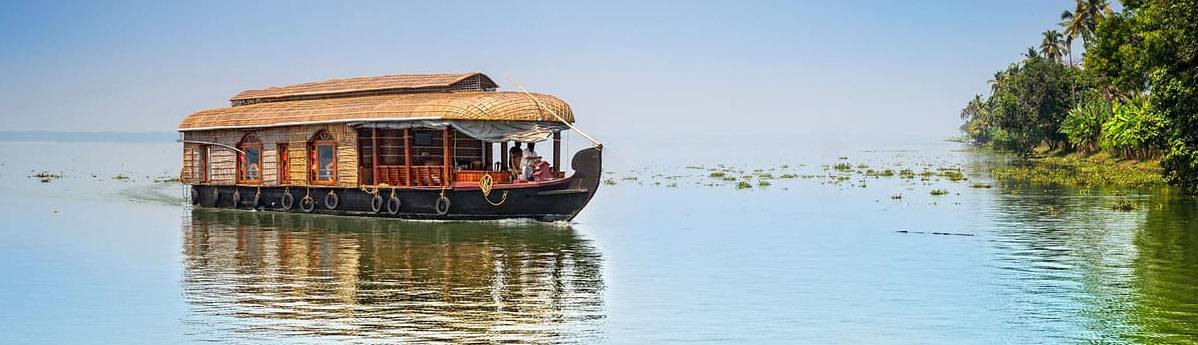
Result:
[{"x": 732, "y": 70}]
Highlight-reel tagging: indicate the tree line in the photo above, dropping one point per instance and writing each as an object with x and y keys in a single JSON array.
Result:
[{"x": 1134, "y": 93}]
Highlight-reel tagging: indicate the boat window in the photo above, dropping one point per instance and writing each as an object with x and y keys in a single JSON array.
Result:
[
  {"x": 195, "y": 163},
  {"x": 422, "y": 137},
  {"x": 323, "y": 159},
  {"x": 467, "y": 152},
  {"x": 428, "y": 147},
  {"x": 249, "y": 167},
  {"x": 284, "y": 164}
]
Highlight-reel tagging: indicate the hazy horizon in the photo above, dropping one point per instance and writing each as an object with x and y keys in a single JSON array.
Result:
[{"x": 761, "y": 71}]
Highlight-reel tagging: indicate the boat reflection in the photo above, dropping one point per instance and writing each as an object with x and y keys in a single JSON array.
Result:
[{"x": 277, "y": 277}]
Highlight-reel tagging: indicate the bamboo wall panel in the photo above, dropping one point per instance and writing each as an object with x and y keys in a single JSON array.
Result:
[
  {"x": 298, "y": 147},
  {"x": 224, "y": 166},
  {"x": 223, "y": 160},
  {"x": 347, "y": 154},
  {"x": 185, "y": 175}
]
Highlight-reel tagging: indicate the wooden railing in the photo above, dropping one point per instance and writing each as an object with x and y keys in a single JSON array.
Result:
[
  {"x": 421, "y": 175},
  {"x": 477, "y": 175},
  {"x": 434, "y": 175}
]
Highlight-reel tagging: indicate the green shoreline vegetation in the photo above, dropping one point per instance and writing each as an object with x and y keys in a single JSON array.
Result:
[
  {"x": 1127, "y": 115},
  {"x": 1082, "y": 170}
]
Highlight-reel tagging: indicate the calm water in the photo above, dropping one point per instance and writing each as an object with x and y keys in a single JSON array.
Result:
[{"x": 814, "y": 259}]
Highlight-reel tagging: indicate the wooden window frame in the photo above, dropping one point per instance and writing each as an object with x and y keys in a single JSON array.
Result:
[
  {"x": 202, "y": 167},
  {"x": 243, "y": 164},
  {"x": 314, "y": 157},
  {"x": 284, "y": 161}
]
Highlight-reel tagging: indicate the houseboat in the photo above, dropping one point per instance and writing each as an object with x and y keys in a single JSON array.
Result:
[{"x": 417, "y": 146}]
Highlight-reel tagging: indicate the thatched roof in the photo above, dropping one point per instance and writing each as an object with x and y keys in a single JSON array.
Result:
[
  {"x": 491, "y": 106},
  {"x": 364, "y": 86}
]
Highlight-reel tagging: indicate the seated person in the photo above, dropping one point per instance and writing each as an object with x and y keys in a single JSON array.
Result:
[
  {"x": 530, "y": 155},
  {"x": 515, "y": 158},
  {"x": 541, "y": 170}
]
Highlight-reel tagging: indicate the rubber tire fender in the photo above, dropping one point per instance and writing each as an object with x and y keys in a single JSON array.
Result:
[
  {"x": 393, "y": 205},
  {"x": 331, "y": 200},
  {"x": 236, "y": 198},
  {"x": 307, "y": 204},
  {"x": 195, "y": 195},
  {"x": 215, "y": 196},
  {"x": 377, "y": 203},
  {"x": 288, "y": 201},
  {"x": 442, "y": 206}
]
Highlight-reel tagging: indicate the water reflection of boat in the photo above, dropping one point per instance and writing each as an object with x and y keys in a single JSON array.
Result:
[
  {"x": 407, "y": 146},
  {"x": 255, "y": 276}
]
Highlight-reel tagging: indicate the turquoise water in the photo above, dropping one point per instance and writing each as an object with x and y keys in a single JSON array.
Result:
[{"x": 818, "y": 258}]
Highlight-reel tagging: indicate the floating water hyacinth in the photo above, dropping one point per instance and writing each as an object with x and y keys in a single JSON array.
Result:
[{"x": 1125, "y": 205}]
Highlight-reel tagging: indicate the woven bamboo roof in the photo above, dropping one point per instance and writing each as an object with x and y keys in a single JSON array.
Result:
[
  {"x": 369, "y": 85},
  {"x": 487, "y": 106}
]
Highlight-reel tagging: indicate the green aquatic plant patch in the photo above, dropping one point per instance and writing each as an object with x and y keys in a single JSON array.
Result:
[
  {"x": 1077, "y": 172},
  {"x": 1124, "y": 205}
]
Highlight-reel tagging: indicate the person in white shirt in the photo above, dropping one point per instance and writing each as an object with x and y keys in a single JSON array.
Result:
[{"x": 530, "y": 158}]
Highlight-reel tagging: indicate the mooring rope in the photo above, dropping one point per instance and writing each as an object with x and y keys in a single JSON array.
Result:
[
  {"x": 375, "y": 191},
  {"x": 485, "y": 184}
]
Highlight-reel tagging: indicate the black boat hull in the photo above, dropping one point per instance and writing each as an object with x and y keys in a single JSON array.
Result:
[{"x": 545, "y": 201}]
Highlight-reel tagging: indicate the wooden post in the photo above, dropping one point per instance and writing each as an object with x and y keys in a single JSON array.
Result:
[
  {"x": 503, "y": 156},
  {"x": 487, "y": 148},
  {"x": 407, "y": 156},
  {"x": 557, "y": 151},
  {"x": 448, "y": 155},
  {"x": 374, "y": 155}
]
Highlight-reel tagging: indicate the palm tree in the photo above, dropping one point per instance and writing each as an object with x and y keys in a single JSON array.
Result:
[
  {"x": 1070, "y": 33},
  {"x": 1052, "y": 45},
  {"x": 977, "y": 121},
  {"x": 1031, "y": 51},
  {"x": 1083, "y": 21},
  {"x": 996, "y": 83}
]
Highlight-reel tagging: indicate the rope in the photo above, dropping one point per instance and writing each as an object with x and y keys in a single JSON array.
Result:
[
  {"x": 594, "y": 142},
  {"x": 375, "y": 191},
  {"x": 231, "y": 147},
  {"x": 485, "y": 184}
]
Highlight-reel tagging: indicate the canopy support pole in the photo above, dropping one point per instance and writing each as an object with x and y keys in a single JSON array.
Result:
[
  {"x": 557, "y": 151},
  {"x": 503, "y": 156},
  {"x": 374, "y": 155},
  {"x": 407, "y": 156},
  {"x": 447, "y": 152},
  {"x": 487, "y": 148}
]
